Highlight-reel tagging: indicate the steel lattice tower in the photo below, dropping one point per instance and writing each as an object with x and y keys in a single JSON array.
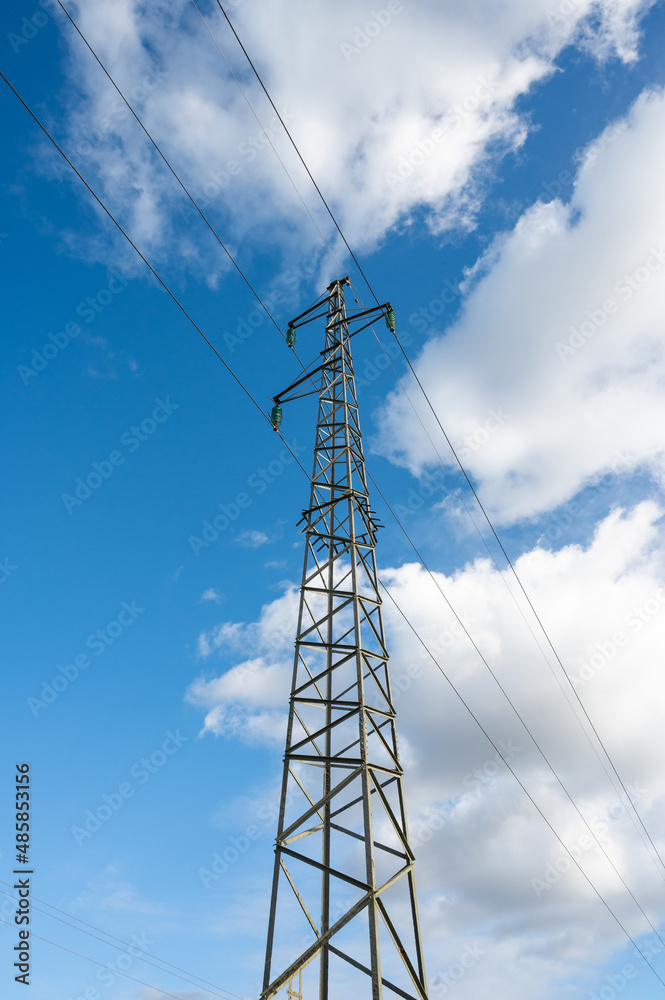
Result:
[{"x": 343, "y": 891}]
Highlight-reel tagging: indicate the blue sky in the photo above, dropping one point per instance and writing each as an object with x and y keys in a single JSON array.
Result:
[{"x": 542, "y": 205}]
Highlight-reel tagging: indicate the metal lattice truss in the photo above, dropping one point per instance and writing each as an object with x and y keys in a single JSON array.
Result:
[{"x": 343, "y": 880}]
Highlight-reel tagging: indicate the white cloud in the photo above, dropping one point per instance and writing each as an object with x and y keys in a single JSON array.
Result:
[
  {"x": 561, "y": 337},
  {"x": 434, "y": 91},
  {"x": 212, "y": 594},
  {"x": 483, "y": 851},
  {"x": 252, "y": 539},
  {"x": 488, "y": 860},
  {"x": 217, "y": 637},
  {"x": 248, "y": 699}
]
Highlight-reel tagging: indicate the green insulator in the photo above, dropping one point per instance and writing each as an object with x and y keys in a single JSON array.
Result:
[
  {"x": 276, "y": 416},
  {"x": 290, "y": 336},
  {"x": 391, "y": 320}
]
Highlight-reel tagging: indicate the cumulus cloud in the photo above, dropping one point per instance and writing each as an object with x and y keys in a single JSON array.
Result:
[
  {"x": 498, "y": 876},
  {"x": 392, "y": 111},
  {"x": 492, "y": 878},
  {"x": 553, "y": 374},
  {"x": 248, "y": 700}
]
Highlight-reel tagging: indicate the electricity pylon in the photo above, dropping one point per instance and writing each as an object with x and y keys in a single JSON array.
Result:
[{"x": 343, "y": 892}]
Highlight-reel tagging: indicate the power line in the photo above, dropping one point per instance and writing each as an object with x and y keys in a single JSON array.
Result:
[
  {"x": 519, "y": 715},
  {"x": 530, "y": 603},
  {"x": 176, "y": 175},
  {"x": 432, "y": 577},
  {"x": 536, "y": 744},
  {"x": 129, "y": 240},
  {"x": 299, "y": 154},
  {"x": 509, "y": 700},
  {"x": 116, "y": 972},
  {"x": 517, "y": 605},
  {"x": 376, "y": 299},
  {"x": 524, "y": 789},
  {"x": 482, "y": 508},
  {"x": 266, "y": 134},
  {"x": 84, "y": 39},
  {"x": 186, "y": 978},
  {"x": 498, "y": 683},
  {"x": 238, "y": 380},
  {"x": 168, "y": 164},
  {"x": 133, "y": 245}
]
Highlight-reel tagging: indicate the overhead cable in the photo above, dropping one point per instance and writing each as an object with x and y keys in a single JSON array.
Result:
[
  {"x": 526, "y": 792},
  {"x": 267, "y": 135},
  {"x": 250, "y": 396},
  {"x": 187, "y": 977},
  {"x": 133, "y": 245},
  {"x": 168, "y": 164},
  {"x": 299, "y": 154},
  {"x": 482, "y": 508},
  {"x": 86, "y": 958},
  {"x": 633, "y": 815}
]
